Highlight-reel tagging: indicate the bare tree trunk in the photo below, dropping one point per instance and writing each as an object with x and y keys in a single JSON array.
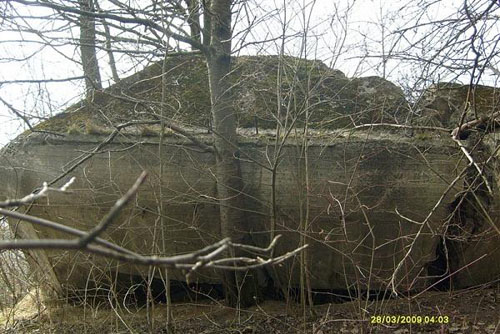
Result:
[
  {"x": 193, "y": 8},
  {"x": 87, "y": 47},
  {"x": 239, "y": 288},
  {"x": 207, "y": 22},
  {"x": 111, "y": 57}
]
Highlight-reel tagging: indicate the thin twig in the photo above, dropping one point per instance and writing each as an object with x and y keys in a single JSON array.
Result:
[
  {"x": 472, "y": 162},
  {"x": 62, "y": 228},
  {"x": 205, "y": 257},
  {"x": 184, "y": 261},
  {"x": 400, "y": 126},
  {"x": 113, "y": 213},
  {"x": 36, "y": 195},
  {"x": 420, "y": 230}
]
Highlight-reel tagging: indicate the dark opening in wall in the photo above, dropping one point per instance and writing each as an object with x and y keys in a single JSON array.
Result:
[
  {"x": 438, "y": 269},
  {"x": 467, "y": 218}
]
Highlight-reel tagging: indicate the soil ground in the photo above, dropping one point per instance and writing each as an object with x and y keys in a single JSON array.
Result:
[{"x": 467, "y": 311}]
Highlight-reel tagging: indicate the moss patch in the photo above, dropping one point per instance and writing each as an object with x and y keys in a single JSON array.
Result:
[
  {"x": 444, "y": 103},
  {"x": 265, "y": 89}
]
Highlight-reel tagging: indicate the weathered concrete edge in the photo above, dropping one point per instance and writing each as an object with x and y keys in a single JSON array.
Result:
[{"x": 315, "y": 138}]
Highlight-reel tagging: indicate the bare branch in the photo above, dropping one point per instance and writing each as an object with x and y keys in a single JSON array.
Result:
[
  {"x": 61, "y": 228},
  {"x": 472, "y": 162},
  {"x": 400, "y": 126},
  {"x": 38, "y": 81},
  {"x": 122, "y": 19},
  {"x": 84, "y": 157},
  {"x": 421, "y": 229},
  {"x": 113, "y": 213},
  {"x": 36, "y": 195},
  {"x": 25, "y": 119},
  {"x": 184, "y": 261},
  {"x": 475, "y": 123},
  {"x": 205, "y": 257}
]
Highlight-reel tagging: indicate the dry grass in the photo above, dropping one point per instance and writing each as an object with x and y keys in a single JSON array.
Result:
[{"x": 469, "y": 311}]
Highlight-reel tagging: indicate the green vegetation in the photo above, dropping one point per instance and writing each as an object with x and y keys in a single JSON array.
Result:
[{"x": 332, "y": 100}]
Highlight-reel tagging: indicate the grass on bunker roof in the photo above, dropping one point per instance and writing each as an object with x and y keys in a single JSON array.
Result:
[{"x": 330, "y": 96}]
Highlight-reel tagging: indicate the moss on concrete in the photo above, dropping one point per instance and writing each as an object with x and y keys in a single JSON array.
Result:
[
  {"x": 308, "y": 87},
  {"x": 443, "y": 104}
]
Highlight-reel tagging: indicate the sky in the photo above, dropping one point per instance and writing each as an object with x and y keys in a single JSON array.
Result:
[{"x": 368, "y": 23}]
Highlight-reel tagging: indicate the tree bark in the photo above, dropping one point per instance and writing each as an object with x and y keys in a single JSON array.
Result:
[
  {"x": 240, "y": 288},
  {"x": 193, "y": 9},
  {"x": 207, "y": 22},
  {"x": 88, "y": 49}
]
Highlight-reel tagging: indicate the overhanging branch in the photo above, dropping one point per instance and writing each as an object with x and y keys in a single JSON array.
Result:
[
  {"x": 90, "y": 242},
  {"x": 135, "y": 20}
]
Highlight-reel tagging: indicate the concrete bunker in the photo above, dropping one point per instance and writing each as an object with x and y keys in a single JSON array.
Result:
[{"x": 371, "y": 191}]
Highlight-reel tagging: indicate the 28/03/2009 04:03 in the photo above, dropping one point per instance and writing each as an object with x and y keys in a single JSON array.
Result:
[{"x": 409, "y": 319}]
